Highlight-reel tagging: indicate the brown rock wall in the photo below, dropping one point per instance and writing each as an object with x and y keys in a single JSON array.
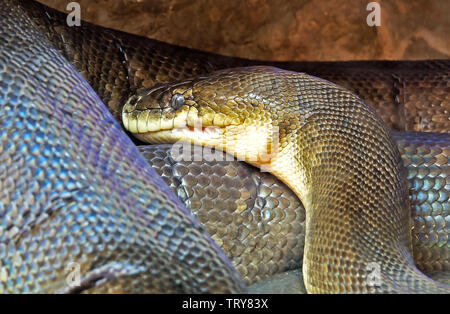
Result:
[{"x": 282, "y": 29}]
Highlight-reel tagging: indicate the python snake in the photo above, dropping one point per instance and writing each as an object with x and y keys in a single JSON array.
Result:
[
  {"x": 333, "y": 152},
  {"x": 136, "y": 225}
]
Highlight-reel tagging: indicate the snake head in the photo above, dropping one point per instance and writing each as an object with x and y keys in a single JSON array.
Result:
[
  {"x": 168, "y": 113},
  {"x": 223, "y": 110}
]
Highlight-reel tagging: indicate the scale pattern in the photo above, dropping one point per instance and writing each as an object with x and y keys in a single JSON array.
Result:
[
  {"x": 256, "y": 220},
  {"x": 74, "y": 189},
  {"x": 115, "y": 64},
  {"x": 426, "y": 157},
  {"x": 408, "y": 95},
  {"x": 259, "y": 222},
  {"x": 334, "y": 152}
]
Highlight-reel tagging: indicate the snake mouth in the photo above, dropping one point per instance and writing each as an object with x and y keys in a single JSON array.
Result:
[
  {"x": 194, "y": 135},
  {"x": 153, "y": 126},
  {"x": 252, "y": 143}
]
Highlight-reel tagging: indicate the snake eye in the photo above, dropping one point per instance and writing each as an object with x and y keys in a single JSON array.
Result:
[{"x": 177, "y": 101}]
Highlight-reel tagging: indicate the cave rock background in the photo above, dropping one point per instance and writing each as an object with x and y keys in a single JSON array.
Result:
[{"x": 280, "y": 29}]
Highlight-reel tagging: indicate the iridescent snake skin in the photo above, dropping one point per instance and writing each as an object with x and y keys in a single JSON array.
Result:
[{"x": 75, "y": 189}]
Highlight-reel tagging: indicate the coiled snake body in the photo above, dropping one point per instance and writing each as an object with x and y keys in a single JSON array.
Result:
[
  {"x": 333, "y": 152},
  {"x": 75, "y": 190}
]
